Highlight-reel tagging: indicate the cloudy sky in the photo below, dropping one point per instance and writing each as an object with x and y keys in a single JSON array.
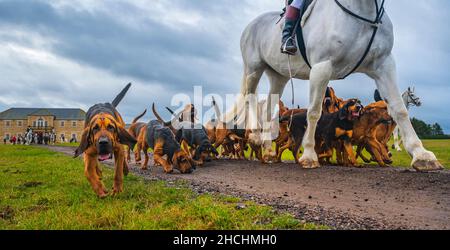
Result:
[{"x": 65, "y": 53}]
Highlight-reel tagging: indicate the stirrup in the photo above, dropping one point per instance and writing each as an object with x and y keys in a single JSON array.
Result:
[{"x": 284, "y": 47}]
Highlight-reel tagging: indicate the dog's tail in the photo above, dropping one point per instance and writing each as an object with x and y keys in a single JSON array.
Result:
[
  {"x": 139, "y": 117},
  {"x": 121, "y": 95},
  {"x": 156, "y": 114},
  {"x": 377, "y": 96},
  {"x": 174, "y": 115}
]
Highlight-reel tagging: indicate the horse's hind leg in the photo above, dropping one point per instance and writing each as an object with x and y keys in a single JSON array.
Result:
[
  {"x": 319, "y": 78},
  {"x": 386, "y": 79},
  {"x": 277, "y": 85}
]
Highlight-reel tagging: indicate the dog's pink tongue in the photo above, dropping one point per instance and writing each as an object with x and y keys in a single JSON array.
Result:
[{"x": 103, "y": 157}]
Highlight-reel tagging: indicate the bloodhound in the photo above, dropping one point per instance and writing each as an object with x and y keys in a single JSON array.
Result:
[
  {"x": 134, "y": 130},
  {"x": 105, "y": 137},
  {"x": 331, "y": 128},
  {"x": 331, "y": 104},
  {"x": 161, "y": 139},
  {"x": 372, "y": 132}
]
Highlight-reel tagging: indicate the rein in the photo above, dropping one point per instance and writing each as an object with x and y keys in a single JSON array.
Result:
[{"x": 375, "y": 24}]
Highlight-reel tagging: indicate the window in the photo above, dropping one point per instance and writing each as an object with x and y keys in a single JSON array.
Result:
[
  {"x": 34, "y": 124},
  {"x": 19, "y": 123},
  {"x": 74, "y": 124},
  {"x": 7, "y": 123},
  {"x": 40, "y": 122},
  {"x": 62, "y": 124},
  {"x": 46, "y": 123}
]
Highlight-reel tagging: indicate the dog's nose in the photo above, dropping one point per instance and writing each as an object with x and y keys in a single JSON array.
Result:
[{"x": 103, "y": 141}]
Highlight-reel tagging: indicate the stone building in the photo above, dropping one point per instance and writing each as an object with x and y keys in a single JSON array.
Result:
[{"x": 63, "y": 122}]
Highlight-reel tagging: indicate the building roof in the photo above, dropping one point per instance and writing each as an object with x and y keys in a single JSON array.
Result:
[{"x": 59, "y": 114}]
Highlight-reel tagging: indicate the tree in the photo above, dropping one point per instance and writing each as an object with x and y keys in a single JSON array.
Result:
[
  {"x": 426, "y": 130},
  {"x": 437, "y": 130},
  {"x": 422, "y": 129}
]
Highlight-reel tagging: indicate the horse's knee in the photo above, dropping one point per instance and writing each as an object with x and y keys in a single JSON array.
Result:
[
  {"x": 314, "y": 116},
  {"x": 401, "y": 114}
]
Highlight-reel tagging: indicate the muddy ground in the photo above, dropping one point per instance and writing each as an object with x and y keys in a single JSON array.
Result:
[{"x": 339, "y": 197}]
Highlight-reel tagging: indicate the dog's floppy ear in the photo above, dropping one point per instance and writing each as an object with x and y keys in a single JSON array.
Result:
[
  {"x": 125, "y": 137},
  {"x": 84, "y": 143}
]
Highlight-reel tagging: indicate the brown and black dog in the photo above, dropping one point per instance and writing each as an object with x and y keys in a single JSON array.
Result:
[
  {"x": 372, "y": 132},
  {"x": 195, "y": 142},
  {"x": 330, "y": 104},
  {"x": 105, "y": 136},
  {"x": 161, "y": 139},
  {"x": 134, "y": 130},
  {"x": 331, "y": 127}
]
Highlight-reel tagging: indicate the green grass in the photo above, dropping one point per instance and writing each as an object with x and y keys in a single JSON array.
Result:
[
  {"x": 41, "y": 189},
  {"x": 402, "y": 159}
]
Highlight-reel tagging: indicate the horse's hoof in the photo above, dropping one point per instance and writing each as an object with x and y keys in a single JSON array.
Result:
[
  {"x": 309, "y": 164},
  {"x": 427, "y": 165}
]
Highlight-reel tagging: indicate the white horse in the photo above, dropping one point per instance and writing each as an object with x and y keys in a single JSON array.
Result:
[
  {"x": 335, "y": 42},
  {"x": 409, "y": 99}
]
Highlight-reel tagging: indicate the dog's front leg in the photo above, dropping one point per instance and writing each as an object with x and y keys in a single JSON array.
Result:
[
  {"x": 158, "y": 154},
  {"x": 91, "y": 171},
  {"x": 349, "y": 153},
  {"x": 120, "y": 164}
]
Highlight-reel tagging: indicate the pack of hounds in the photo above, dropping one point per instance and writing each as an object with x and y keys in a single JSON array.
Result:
[{"x": 184, "y": 145}]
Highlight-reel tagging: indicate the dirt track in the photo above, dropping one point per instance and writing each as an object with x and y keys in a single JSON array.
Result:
[{"x": 342, "y": 198}]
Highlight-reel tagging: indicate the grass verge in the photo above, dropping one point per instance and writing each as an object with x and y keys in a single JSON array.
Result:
[{"x": 41, "y": 189}]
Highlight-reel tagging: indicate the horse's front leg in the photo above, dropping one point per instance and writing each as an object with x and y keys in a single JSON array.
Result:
[
  {"x": 386, "y": 79},
  {"x": 319, "y": 78}
]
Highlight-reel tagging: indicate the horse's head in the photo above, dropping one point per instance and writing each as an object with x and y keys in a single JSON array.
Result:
[{"x": 411, "y": 98}]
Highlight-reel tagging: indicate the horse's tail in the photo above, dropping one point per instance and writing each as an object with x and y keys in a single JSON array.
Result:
[{"x": 236, "y": 113}]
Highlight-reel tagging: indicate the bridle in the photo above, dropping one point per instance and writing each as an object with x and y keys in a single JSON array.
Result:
[
  {"x": 411, "y": 99},
  {"x": 375, "y": 24}
]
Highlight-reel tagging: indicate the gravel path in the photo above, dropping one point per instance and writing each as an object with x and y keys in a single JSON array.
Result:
[{"x": 342, "y": 198}]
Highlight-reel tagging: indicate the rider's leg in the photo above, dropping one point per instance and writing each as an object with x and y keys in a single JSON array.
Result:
[{"x": 292, "y": 14}]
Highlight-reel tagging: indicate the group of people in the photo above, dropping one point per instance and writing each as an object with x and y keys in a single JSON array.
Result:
[{"x": 31, "y": 137}]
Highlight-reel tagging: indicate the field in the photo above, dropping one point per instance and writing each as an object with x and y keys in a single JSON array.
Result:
[{"x": 42, "y": 189}]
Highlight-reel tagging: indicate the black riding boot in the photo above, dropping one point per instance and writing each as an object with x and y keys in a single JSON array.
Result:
[{"x": 289, "y": 45}]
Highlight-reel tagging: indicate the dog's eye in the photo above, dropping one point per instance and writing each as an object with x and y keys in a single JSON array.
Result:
[
  {"x": 111, "y": 128},
  {"x": 96, "y": 128}
]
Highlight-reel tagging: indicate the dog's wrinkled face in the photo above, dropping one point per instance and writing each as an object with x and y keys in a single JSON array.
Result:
[
  {"x": 104, "y": 135},
  {"x": 351, "y": 110},
  {"x": 182, "y": 162}
]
